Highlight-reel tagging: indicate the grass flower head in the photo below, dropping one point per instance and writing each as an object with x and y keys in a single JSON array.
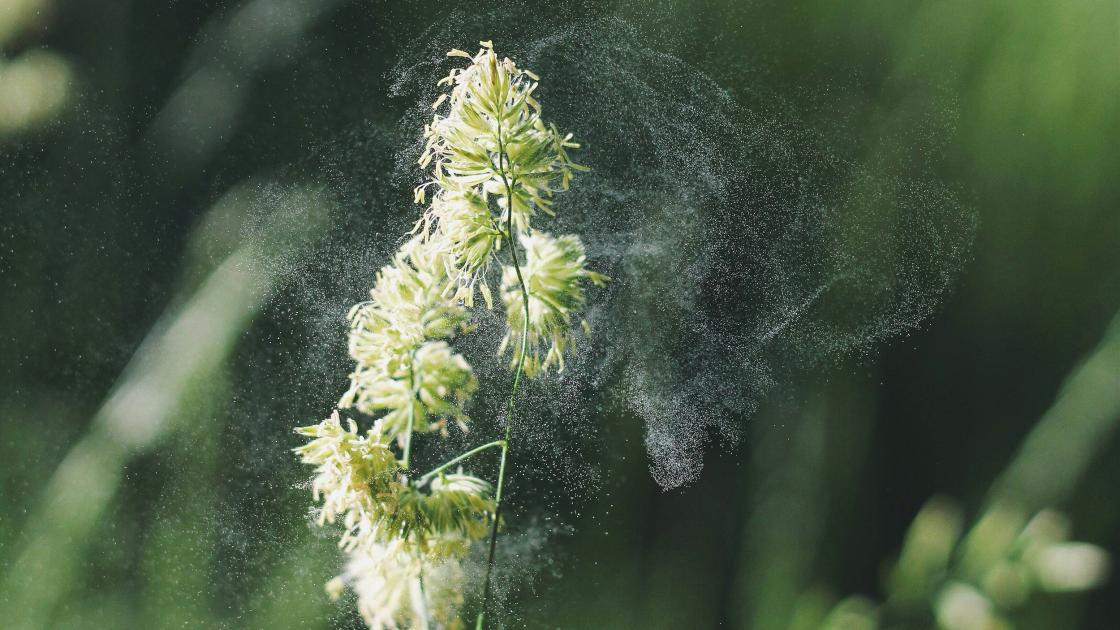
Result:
[{"x": 494, "y": 163}]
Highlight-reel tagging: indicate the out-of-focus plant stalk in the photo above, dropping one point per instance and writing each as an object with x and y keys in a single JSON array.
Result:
[
  {"x": 1070, "y": 434},
  {"x": 1018, "y": 545},
  {"x": 188, "y": 345}
]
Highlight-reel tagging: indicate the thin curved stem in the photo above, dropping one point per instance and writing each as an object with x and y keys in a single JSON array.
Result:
[
  {"x": 503, "y": 158},
  {"x": 448, "y": 464}
]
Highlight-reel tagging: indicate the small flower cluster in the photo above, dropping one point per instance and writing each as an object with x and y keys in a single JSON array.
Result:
[
  {"x": 393, "y": 584},
  {"x": 404, "y": 366},
  {"x": 974, "y": 580},
  {"x": 554, "y": 273},
  {"x": 353, "y": 472},
  {"x": 494, "y": 163},
  {"x": 1005, "y": 558}
]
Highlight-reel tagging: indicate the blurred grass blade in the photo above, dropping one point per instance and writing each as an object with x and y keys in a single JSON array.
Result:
[
  {"x": 1071, "y": 433},
  {"x": 209, "y": 103},
  {"x": 188, "y": 347}
]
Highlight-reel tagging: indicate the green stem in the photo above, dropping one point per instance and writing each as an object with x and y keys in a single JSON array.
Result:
[
  {"x": 479, "y": 625},
  {"x": 478, "y": 449}
]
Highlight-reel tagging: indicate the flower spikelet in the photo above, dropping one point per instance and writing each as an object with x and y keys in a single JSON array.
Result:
[
  {"x": 465, "y": 228},
  {"x": 492, "y": 133},
  {"x": 554, "y": 271},
  {"x": 432, "y": 385},
  {"x": 352, "y": 470},
  {"x": 360, "y": 483},
  {"x": 460, "y": 503},
  {"x": 457, "y": 507},
  {"x": 400, "y": 588},
  {"x": 389, "y": 336},
  {"x": 407, "y": 305},
  {"x": 444, "y": 382}
]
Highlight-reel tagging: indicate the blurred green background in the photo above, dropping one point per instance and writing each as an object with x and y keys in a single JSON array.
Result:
[{"x": 138, "y": 141}]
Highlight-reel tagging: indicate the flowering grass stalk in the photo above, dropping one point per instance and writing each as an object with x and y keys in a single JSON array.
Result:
[{"x": 494, "y": 166}]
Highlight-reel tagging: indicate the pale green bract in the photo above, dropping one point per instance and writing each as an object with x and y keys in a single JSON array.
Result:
[{"x": 493, "y": 164}]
